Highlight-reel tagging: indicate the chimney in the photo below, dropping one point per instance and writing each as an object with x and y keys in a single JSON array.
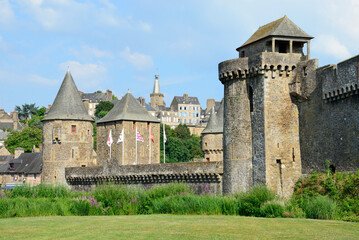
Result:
[
  {"x": 18, "y": 152},
  {"x": 2, "y": 111},
  {"x": 210, "y": 104},
  {"x": 185, "y": 96}
]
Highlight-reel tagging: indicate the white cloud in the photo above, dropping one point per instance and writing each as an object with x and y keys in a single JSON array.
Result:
[
  {"x": 73, "y": 15},
  {"x": 86, "y": 76},
  {"x": 89, "y": 51},
  {"x": 41, "y": 80},
  {"x": 329, "y": 45},
  {"x": 6, "y": 13},
  {"x": 140, "y": 61}
]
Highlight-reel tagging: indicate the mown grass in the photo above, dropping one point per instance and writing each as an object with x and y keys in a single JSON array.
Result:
[{"x": 174, "y": 227}]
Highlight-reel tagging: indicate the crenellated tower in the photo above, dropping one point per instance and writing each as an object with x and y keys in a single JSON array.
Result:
[
  {"x": 67, "y": 134},
  {"x": 261, "y": 121}
]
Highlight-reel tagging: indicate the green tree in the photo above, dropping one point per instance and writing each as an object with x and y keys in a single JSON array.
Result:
[
  {"x": 26, "y": 111},
  {"x": 114, "y": 97},
  {"x": 26, "y": 139},
  {"x": 41, "y": 112},
  {"x": 182, "y": 132},
  {"x": 103, "y": 107}
]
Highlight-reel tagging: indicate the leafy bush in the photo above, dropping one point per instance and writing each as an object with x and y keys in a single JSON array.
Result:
[
  {"x": 251, "y": 201},
  {"x": 272, "y": 209},
  {"x": 42, "y": 191},
  {"x": 320, "y": 207}
]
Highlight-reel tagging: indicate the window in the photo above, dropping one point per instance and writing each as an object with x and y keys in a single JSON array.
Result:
[
  {"x": 180, "y": 121},
  {"x": 35, "y": 176},
  {"x": 196, "y": 114},
  {"x": 180, "y": 107},
  {"x": 73, "y": 128},
  {"x": 189, "y": 121},
  {"x": 243, "y": 54},
  {"x": 73, "y": 153},
  {"x": 185, "y": 108},
  {"x": 185, "y": 121}
]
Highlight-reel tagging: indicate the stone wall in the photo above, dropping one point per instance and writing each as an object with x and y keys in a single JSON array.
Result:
[
  {"x": 200, "y": 176},
  {"x": 129, "y": 154},
  {"x": 63, "y": 148},
  {"x": 329, "y": 120}
]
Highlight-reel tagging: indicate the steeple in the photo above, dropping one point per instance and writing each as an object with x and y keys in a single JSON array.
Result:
[
  {"x": 156, "y": 87},
  {"x": 68, "y": 104}
]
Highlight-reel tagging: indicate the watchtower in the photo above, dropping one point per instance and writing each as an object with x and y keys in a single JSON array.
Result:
[
  {"x": 261, "y": 123},
  {"x": 67, "y": 134}
]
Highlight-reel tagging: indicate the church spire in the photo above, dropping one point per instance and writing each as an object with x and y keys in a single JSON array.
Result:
[{"x": 156, "y": 87}]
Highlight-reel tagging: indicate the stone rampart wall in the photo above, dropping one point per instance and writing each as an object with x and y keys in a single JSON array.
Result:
[{"x": 200, "y": 176}]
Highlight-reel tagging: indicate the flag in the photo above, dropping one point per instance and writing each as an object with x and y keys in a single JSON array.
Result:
[
  {"x": 121, "y": 138},
  {"x": 109, "y": 140},
  {"x": 138, "y": 136},
  {"x": 164, "y": 134},
  {"x": 151, "y": 136}
]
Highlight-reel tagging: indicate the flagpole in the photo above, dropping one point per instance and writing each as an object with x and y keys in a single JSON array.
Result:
[
  {"x": 123, "y": 147},
  {"x": 149, "y": 141},
  {"x": 136, "y": 145},
  {"x": 164, "y": 144}
]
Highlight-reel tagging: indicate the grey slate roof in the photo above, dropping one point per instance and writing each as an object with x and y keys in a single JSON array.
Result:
[
  {"x": 5, "y": 159},
  {"x": 128, "y": 108},
  {"x": 215, "y": 122},
  {"x": 5, "y": 125},
  {"x": 68, "y": 104},
  {"x": 190, "y": 100},
  {"x": 95, "y": 97},
  {"x": 280, "y": 27},
  {"x": 25, "y": 163},
  {"x": 3, "y": 135}
]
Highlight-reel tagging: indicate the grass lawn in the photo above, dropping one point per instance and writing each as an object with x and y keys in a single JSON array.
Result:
[{"x": 174, "y": 227}]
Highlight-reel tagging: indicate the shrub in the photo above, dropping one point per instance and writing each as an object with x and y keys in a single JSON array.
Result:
[
  {"x": 41, "y": 191},
  {"x": 250, "y": 202},
  {"x": 320, "y": 207},
  {"x": 272, "y": 210}
]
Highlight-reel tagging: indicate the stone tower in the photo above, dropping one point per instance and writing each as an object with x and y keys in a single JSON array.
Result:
[
  {"x": 156, "y": 95},
  {"x": 261, "y": 123},
  {"x": 129, "y": 115},
  {"x": 67, "y": 134},
  {"x": 212, "y": 136}
]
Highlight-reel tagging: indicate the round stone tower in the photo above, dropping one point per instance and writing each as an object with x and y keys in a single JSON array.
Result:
[{"x": 67, "y": 134}]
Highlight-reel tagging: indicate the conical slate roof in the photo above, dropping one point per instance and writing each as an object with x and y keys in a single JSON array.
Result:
[
  {"x": 156, "y": 87},
  {"x": 128, "y": 108},
  {"x": 68, "y": 104},
  {"x": 215, "y": 122},
  {"x": 281, "y": 27}
]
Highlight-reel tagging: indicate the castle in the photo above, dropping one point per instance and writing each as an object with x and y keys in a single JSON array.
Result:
[{"x": 282, "y": 117}]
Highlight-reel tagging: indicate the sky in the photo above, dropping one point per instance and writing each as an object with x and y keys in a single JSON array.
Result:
[{"x": 120, "y": 45}]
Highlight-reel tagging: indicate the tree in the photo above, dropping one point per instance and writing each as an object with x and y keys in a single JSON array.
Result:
[
  {"x": 26, "y": 111},
  {"x": 104, "y": 107},
  {"x": 26, "y": 139},
  {"x": 181, "y": 146}
]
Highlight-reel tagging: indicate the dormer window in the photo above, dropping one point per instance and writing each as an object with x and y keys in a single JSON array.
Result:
[
  {"x": 243, "y": 54},
  {"x": 12, "y": 167}
]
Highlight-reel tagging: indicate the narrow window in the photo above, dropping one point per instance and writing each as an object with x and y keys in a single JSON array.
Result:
[
  {"x": 293, "y": 155},
  {"x": 73, "y": 128},
  {"x": 207, "y": 159},
  {"x": 73, "y": 153},
  {"x": 243, "y": 54}
]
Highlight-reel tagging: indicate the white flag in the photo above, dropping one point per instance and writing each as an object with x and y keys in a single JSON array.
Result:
[
  {"x": 109, "y": 140},
  {"x": 164, "y": 134},
  {"x": 121, "y": 138}
]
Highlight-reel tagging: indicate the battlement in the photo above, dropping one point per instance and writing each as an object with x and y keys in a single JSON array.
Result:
[
  {"x": 265, "y": 63},
  {"x": 341, "y": 80}
]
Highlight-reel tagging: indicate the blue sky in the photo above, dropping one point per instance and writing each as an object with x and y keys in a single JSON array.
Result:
[{"x": 120, "y": 45}]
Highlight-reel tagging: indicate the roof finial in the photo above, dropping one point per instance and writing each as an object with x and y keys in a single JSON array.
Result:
[
  {"x": 68, "y": 68},
  {"x": 128, "y": 90}
]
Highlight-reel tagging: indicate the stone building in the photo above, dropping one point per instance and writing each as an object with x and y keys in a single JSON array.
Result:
[
  {"x": 283, "y": 115},
  {"x": 188, "y": 108},
  {"x": 67, "y": 134},
  {"x": 212, "y": 136},
  {"x": 21, "y": 168},
  {"x": 8, "y": 122},
  {"x": 90, "y": 100},
  {"x": 129, "y": 116},
  {"x": 156, "y": 95}
]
